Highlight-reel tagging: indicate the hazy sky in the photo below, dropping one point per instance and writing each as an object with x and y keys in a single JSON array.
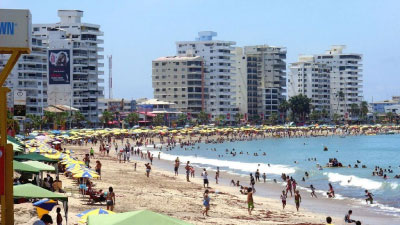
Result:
[{"x": 136, "y": 32}]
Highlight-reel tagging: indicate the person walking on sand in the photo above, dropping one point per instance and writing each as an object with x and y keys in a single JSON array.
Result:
[
  {"x": 148, "y": 169},
  {"x": 176, "y": 166},
  {"x": 110, "y": 199},
  {"x": 206, "y": 203},
  {"x": 205, "y": 178},
  {"x": 250, "y": 201},
  {"x": 283, "y": 198},
  {"x": 217, "y": 175},
  {"x": 187, "y": 168},
  {"x": 297, "y": 199}
]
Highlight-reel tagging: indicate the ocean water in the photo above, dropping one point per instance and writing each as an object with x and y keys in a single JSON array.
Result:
[{"x": 291, "y": 156}]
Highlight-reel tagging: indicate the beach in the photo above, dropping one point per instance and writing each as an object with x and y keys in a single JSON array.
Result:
[
  {"x": 174, "y": 196},
  {"x": 163, "y": 192}
]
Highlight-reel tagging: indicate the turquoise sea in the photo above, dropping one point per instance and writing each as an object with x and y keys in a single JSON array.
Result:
[{"x": 291, "y": 156}]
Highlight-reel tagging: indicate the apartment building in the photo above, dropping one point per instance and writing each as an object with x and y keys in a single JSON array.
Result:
[
  {"x": 345, "y": 77},
  {"x": 219, "y": 73},
  {"x": 266, "y": 79},
  {"x": 241, "y": 80},
  {"x": 180, "y": 79},
  {"x": 82, "y": 39},
  {"x": 311, "y": 79},
  {"x": 336, "y": 73},
  {"x": 29, "y": 75}
]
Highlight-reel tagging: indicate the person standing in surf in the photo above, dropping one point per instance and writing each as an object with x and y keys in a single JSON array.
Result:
[{"x": 369, "y": 197}]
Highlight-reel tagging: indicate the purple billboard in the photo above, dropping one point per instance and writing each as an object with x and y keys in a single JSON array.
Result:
[{"x": 59, "y": 66}]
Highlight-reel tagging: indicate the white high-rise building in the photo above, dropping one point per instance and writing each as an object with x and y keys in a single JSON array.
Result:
[
  {"x": 83, "y": 42},
  {"x": 311, "y": 79},
  {"x": 29, "y": 75},
  {"x": 220, "y": 73},
  {"x": 241, "y": 80},
  {"x": 345, "y": 79}
]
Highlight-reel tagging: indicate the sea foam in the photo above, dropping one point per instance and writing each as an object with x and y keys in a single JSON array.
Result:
[{"x": 232, "y": 165}]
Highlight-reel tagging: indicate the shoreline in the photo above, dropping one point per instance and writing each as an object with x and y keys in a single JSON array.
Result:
[{"x": 323, "y": 205}]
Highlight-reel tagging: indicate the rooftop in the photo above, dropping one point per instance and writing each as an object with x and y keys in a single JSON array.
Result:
[
  {"x": 155, "y": 102},
  {"x": 178, "y": 58}
]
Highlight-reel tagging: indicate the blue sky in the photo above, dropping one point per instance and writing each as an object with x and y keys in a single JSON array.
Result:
[{"x": 136, "y": 32}]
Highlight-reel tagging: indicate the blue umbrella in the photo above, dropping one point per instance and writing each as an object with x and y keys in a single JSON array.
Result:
[{"x": 44, "y": 206}]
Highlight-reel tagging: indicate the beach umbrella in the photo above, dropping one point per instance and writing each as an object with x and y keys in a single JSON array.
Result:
[
  {"x": 84, "y": 215},
  {"x": 87, "y": 174},
  {"x": 44, "y": 206}
]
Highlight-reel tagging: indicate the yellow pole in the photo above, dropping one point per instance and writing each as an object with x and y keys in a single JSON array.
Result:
[{"x": 7, "y": 201}]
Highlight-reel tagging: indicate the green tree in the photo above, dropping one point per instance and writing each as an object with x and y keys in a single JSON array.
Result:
[
  {"x": 364, "y": 110},
  {"x": 132, "y": 119},
  {"x": 202, "y": 117},
  {"x": 158, "y": 120},
  {"x": 182, "y": 118},
  {"x": 340, "y": 97},
  {"x": 78, "y": 118},
  {"x": 273, "y": 118},
  {"x": 238, "y": 117},
  {"x": 300, "y": 106},
  {"x": 283, "y": 108},
  {"x": 315, "y": 116},
  {"x": 11, "y": 123},
  {"x": 220, "y": 118},
  {"x": 354, "y": 110},
  {"x": 336, "y": 118},
  {"x": 324, "y": 113},
  {"x": 49, "y": 118},
  {"x": 106, "y": 117},
  {"x": 36, "y": 121},
  {"x": 389, "y": 117},
  {"x": 60, "y": 119}
]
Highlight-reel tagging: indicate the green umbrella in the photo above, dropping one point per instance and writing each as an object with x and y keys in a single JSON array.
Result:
[{"x": 139, "y": 217}]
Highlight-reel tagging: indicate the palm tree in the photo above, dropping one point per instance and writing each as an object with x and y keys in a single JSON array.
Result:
[
  {"x": 220, "y": 118},
  {"x": 340, "y": 96},
  {"x": 273, "y": 118},
  {"x": 11, "y": 123},
  {"x": 132, "y": 119},
  {"x": 182, "y": 119},
  {"x": 300, "y": 106},
  {"x": 106, "y": 117},
  {"x": 354, "y": 110},
  {"x": 49, "y": 118},
  {"x": 364, "y": 110},
  {"x": 202, "y": 117},
  {"x": 158, "y": 120},
  {"x": 389, "y": 117},
  {"x": 336, "y": 118},
  {"x": 36, "y": 121},
  {"x": 315, "y": 116},
  {"x": 283, "y": 108},
  {"x": 60, "y": 119},
  {"x": 78, "y": 117},
  {"x": 238, "y": 117}
]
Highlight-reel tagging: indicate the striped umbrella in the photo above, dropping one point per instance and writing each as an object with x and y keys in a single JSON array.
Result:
[{"x": 84, "y": 215}]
